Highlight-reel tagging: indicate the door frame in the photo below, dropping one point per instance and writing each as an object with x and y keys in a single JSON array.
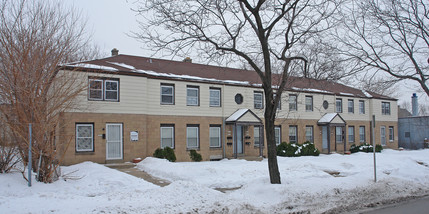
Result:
[{"x": 121, "y": 139}]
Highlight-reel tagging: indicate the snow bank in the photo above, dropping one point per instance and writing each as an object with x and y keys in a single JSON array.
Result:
[{"x": 308, "y": 184}]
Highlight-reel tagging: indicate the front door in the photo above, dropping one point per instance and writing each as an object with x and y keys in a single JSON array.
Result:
[
  {"x": 324, "y": 137},
  {"x": 239, "y": 140},
  {"x": 113, "y": 141}
]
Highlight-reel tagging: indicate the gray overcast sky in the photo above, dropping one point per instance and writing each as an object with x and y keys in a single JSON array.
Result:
[{"x": 110, "y": 20}]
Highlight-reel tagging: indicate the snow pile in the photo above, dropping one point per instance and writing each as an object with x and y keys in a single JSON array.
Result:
[
  {"x": 92, "y": 66},
  {"x": 334, "y": 182}
]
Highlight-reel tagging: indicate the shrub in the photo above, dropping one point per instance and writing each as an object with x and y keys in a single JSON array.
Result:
[
  {"x": 166, "y": 153},
  {"x": 195, "y": 156},
  {"x": 366, "y": 147},
  {"x": 308, "y": 149}
]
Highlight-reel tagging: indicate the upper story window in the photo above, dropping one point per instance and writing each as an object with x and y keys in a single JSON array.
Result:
[
  {"x": 308, "y": 103},
  {"x": 258, "y": 100},
  {"x": 293, "y": 102},
  {"x": 215, "y": 97},
  {"x": 361, "y": 107},
  {"x": 167, "y": 94},
  {"x": 192, "y": 95},
  {"x": 103, "y": 89},
  {"x": 339, "y": 105},
  {"x": 351, "y": 106},
  {"x": 385, "y": 108}
]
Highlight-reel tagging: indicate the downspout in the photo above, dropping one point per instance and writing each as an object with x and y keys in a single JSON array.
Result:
[{"x": 223, "y": 121}]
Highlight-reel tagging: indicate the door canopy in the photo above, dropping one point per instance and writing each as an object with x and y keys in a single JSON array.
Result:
[
  {"x": 243, "y": 116},
  {"x": 331, "y": 119}
]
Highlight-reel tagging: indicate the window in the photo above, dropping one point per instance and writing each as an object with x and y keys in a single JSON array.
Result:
[
  {"x": 339, "y": 134},
  {"x": 308, "y": 103},
  {"x": 385, "y": 108},
  {"x": 383, "y": 135},
  {"x": 256, "y": 135},
  {"x": 277, "y": 134},
  {"x": 167, "y": 94},
  {"x": 192, "y": 96},
  {"x": 192, "y": 139},
  {"x": 309, "y": 134},
  {"x": 292, "y": 103},
  {"x": 391, "y": 134},
  {"x": 351, "y": 106},
  {"x": 95, "y": 89},
  {"x": 167, "y": 136},
  {"x": 351, "y": 134},
  {"x": 84, "y": 137},
  {"x": 104, "y": 89},
  {"x": 215, "y": 141},
  {"x": 339, "y": 105},
  {"x": 362, "y": 134},
  {"x": 361, "y": 107},
  {"x": 257, "y": 100},
  {"x": 215, "y": 97},
  {"x": 293, "y": 134},
  {"x": 279, "y": 104}
]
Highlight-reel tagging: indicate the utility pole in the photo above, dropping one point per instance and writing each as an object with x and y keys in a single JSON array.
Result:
[{"x": 373, "y": 147}]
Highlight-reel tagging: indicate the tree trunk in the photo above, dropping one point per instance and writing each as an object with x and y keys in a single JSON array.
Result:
[{"x": 273, "y": 167}]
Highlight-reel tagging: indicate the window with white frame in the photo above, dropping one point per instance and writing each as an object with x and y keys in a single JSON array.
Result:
[
  {"x": 167, "y": 136},
  {"x": 277, "y": 134},
  {"x": 167, "y": 94},
  {"x": 192, "y": 137},
  {"x": 256, "y": 135},
  {"x": 192, "y": 96},
  {"x": 258, "y": 100},
  {"x": 293, "y": 102},
  {"x": 84, "y": 137},
  {"x": 293, "y": 137},
  {"x": 391, "y": 134},
  {"x": 215, "y": 139},
  {"x": 309, "y": 134},
  {"x": 383, "y": 135},
  {"x": 308, "y": 103},
  {"x": 385, "y": 108},
  {"x": 351, "y": 106},
  {"x": 361, "y": 107},
  {"x": 215, "y": 97},
  {"x": 339, "y": 105},
  {"x": 339, "y": 134},
  {"x": 361, "y": 134},
  {"x": 351, "y": 134},
  {"x": 103, "y": 89}
]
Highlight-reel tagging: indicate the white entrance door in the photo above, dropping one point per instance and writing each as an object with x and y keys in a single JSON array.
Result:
[
  {"x": 383, "y": 135},
  {"x": 113, "y": 141},
  {"x": 324, "y": 137}
]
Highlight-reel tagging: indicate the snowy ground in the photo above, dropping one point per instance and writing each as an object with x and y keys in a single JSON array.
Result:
[{"x": 306, "y": 186}]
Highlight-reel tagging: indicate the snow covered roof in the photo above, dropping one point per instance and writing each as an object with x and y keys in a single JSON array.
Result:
[
  {"x": 243, "y": 115},
  {"x": 188, "y": 71},
  {"x": 331, "y": 118}
]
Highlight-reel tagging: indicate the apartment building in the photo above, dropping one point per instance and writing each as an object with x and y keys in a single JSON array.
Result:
[{"x": 133, "y": 105}]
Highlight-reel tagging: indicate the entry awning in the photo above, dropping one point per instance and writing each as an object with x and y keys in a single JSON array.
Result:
[
  {"x": 244, "y": 116},
  {"x": 331, "y": 119}
]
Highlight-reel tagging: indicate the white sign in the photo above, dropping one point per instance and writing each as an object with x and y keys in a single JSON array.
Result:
[{"x": 134, "y": 136}]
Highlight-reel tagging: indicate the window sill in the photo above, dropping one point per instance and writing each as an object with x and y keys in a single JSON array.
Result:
[
  {"x": 196, "y": 149},
  {"x": 215, "y": 148},
  {"x": 85, "y": 152}
]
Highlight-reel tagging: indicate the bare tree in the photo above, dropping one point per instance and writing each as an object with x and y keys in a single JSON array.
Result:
[
  {"x": 387, "y": 36},
  {"x": 261, "y": 33},
  {"x": 35, "y": 38}
]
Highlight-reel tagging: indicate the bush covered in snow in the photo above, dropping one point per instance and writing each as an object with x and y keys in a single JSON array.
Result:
[
  {"x": 366, "y": 147},
  {"x": 166, "y": 153},
  {"x": 296, "y": 150}
]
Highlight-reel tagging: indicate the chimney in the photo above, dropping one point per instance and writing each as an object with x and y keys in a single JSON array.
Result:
[
  {"x": 115, "y": 52},
  {"x": 187, "y": 59},
  {"x": 415, "y": 105}
]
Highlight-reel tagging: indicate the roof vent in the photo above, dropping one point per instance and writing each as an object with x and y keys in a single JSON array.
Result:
[
  {"x": 187, "y": 59},
  {"x": 115, "y": 52}
]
